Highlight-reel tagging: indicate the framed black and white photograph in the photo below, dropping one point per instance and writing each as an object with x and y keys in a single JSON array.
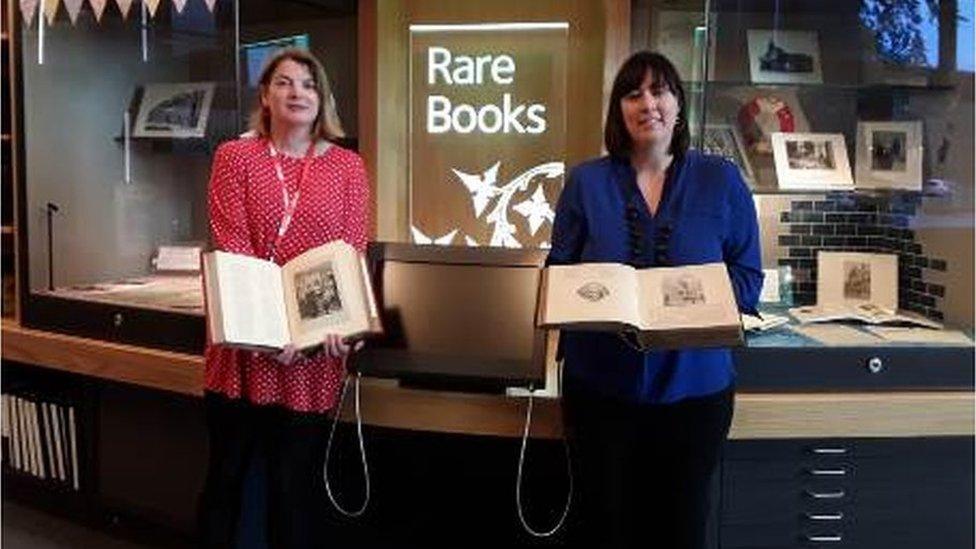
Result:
[
  {"x": 811, "y": 161},
  {"x": 854, "y": 278},
  {"x": 317, "y": 293},
  {"x": 175, "y": 111},
  {"x": 784, "y": 57},
  {"x": 889, "y": 155},
  {"x": 724, "y": 140}
]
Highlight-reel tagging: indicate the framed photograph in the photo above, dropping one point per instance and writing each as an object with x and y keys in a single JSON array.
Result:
[
  {"x": 811, "y": 161},
  {"x": 175, "y": 111},
  {"x": 889, "y": 155},
  {"x": 724, "y": 140},
  {"x": 784, "y": 57},
  {"x": 852, "y": 278}
]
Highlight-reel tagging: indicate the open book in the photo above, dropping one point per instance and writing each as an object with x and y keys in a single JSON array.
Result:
[
  {"x": 667, "y": 307},
  {"x": 868, "y": 313},
  {"x": 254, "y": 303}
]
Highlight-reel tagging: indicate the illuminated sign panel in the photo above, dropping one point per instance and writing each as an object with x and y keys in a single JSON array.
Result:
[{"x": 487, "y": 132}]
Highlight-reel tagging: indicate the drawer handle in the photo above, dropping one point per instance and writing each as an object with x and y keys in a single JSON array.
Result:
[
  {"x": 825, "y": 516},
  {"x": 826, "y": 495},
  {"x": 837, "y": 538},
  {"x": 830, "y": 451},
  {"x": 828, "y": 472}
]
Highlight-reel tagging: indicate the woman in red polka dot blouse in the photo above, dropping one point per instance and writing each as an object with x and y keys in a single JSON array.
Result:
[{"x": 276, "y": 192}]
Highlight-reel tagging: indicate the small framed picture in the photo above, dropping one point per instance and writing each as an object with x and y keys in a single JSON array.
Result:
[
  {"x": 724, "y": 140},
  {"x": 811, "y": 161},
  {"x": 784, "y": 57},
  {"x": 175, "y": 111},
  {"x": 889, "y": 155},
  {"x": 855, "y": 277}
]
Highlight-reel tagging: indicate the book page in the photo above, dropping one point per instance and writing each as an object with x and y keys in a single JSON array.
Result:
[
  {"x": 595, "y": 294},
  {"x": 244, "y": 298},
  {"x": 324, "y": 293},
  {"x": 693, "y": 296}
]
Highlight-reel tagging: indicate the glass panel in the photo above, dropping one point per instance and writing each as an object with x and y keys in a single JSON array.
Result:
[{"x": 121, "y": 116}]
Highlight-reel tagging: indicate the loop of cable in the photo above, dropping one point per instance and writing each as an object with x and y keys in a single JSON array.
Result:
[{"x": 362, "y": 449}]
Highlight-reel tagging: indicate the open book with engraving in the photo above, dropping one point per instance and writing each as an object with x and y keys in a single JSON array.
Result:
[
  {"x": 857, "y": 286},
  {"x": 254, "y": 303},
  {"x": 665, "y": 307}
]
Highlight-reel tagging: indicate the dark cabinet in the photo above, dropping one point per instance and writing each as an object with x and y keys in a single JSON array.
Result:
[{"x": 865, "y": 493}]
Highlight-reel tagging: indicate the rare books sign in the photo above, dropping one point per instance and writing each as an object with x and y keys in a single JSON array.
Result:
[{"x": 487, "y": 132}]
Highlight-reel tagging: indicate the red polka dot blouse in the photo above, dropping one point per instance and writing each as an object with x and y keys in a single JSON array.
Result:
[{"x": 246, "y": 208}]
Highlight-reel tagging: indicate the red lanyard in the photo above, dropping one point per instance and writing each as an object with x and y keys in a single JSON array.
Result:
[{"x": 289, "y": 200}]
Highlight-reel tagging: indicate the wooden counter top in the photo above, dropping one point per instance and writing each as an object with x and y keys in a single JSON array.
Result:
[{"x": 757, "y": 415}]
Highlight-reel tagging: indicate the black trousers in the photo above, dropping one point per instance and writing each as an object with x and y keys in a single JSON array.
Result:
[
  {"x": 291, "y": 445},
  {"x": 644, "y": 472}
]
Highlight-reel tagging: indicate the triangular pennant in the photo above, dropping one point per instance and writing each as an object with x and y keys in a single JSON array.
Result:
[
  {"x": 27, "y": 9},
  {"x": 73, "y": 7},
  {"x": 153, "y": 5},
  {"x": 98, "y": 7},
  {"x": 50, "y": 10},
  {"x": 179, "y": 5},
  {"x": 210, "y": 4},
  {"x": 124, "y": 7}
]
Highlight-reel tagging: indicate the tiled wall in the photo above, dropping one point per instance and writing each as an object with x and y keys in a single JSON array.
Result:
[{"x": 860, "y": 223}]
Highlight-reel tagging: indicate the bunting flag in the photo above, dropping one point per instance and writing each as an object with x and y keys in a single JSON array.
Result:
[
  {"x": 74, "y": 8},
  {"x": 98, "y": 7},
  {"x": 179, "y": 5},
  {"x": 50, "y": 10},
  {"x": 210, "y": 4},
  {"x": 124, "y": 7},
  {"x": 153, "y": 5},
  {"x": 27, "y": 9}
]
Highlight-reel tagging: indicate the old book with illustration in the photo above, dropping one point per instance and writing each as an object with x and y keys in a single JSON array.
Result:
[
  {"x": 666, "y": 307},
  {"x": 254, "y": 303},
  {"x": 862, "y": 287}
]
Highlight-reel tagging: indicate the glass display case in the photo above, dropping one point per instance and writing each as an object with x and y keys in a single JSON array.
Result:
[
  {"x": 120, "y": 118},
  {"x": 852, "y": 123}
]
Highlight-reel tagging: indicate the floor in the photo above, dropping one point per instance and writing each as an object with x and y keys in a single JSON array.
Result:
[{"x": 25, "y": 527}]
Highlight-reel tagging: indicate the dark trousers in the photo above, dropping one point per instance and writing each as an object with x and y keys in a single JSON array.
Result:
[
  {"x": 291, "y": 446},
  {"x": 643, "y": 472}
]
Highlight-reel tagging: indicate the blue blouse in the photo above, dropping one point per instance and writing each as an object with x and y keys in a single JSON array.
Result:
[{"x": 706, "y": 214}]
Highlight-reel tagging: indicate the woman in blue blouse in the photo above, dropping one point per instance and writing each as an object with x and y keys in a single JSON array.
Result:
[{"x": 647, "y": 428}]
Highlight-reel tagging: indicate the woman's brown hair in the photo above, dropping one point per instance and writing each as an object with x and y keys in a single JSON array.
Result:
[
  {"x": 630, "y": 76},
  {"x": 326, "y": 124}
]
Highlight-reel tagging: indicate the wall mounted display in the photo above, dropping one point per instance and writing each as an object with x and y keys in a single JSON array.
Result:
[
  {"x": 889, "y": 155},
  {"x": 724, "y": 140},
  {"x": 811, "y": 161},
  {"x": 176, "y": 111},
  {"x": 487, "y": 132},
  {"x": 784, "y": 57}
]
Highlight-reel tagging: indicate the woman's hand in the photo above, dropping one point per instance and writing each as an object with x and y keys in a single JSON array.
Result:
[
  {"x": 335, "y": 347},
  {"x": 287, "y": 355}
]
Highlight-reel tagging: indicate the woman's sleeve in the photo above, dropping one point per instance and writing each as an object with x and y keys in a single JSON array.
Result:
[
  {"x": 356, "y": 231},
  {"x": 741, "y": 250},
  {"x": 569, "y": 226},
  {"x": 226, "y": 203}
]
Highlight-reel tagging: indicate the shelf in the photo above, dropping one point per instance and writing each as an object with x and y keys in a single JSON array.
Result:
[{"x": 695, "y": 86}]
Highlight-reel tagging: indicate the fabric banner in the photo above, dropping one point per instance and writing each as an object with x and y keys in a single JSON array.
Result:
[
  {"x": 153, "y": 5},
  {"x": 27, "y": 9},
  {"x": 179, "y": 5},
  {"x": 50, "y": 10},
  {"x": 74, "y": 8},
  {"x": 98, "y": 7},
  {"x": 124, "y": 7}
]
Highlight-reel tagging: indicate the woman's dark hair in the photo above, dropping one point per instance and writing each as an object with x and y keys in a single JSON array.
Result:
[{"x": 630, "y": 77}]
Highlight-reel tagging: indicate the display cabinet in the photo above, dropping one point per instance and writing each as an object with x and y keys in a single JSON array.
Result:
[
  {"x": 852, "y": 124},
  {"x": 121, "y": 114}
]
